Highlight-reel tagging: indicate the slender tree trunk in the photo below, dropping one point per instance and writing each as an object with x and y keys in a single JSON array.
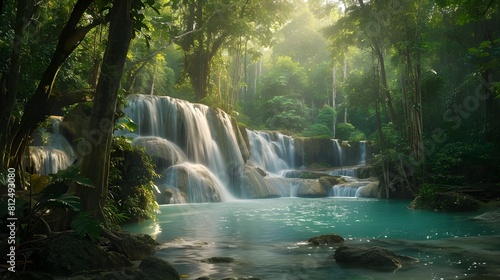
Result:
[
  {"x": 385, "y": 88},
  {"x": 95, "y": 164},
  {"x": 9, "y": 80}
]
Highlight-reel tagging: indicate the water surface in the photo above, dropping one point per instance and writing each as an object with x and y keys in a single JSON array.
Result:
[{"x": 267, "y": 238}]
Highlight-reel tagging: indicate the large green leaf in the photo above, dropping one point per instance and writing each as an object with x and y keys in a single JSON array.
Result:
[
  {"x": 85, "y": 225},
  {"x": 66, "y": 201},
  {"x": 73, "y": 174}
]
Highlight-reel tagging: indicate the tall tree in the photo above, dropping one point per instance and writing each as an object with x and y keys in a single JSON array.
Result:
[
  {"x": 95, "y": 165},
  {"x": 213, "y": 24},
  {"x": 15, "y": 133}
]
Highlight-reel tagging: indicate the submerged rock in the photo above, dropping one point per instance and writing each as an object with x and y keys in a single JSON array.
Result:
[
  {"x": 230, "y": 278},
  {"x": 327, "y": 239},
  {"x": 488, "y": 216},
  {"x": 376, "y": 258},
  {"x": 219, "y": 260},
  {"x": 155, "y": 268}
]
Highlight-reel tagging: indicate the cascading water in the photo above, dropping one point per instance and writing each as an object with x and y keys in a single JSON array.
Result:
[
  {"x": 204, "y": 157},
  {"x": 54, "y": 154},
  {"x": 362, "y": 152},
  {"x": 352, "y": 189},
  {"x": 337, "y": 149},
  {"x": 271, "y": 155},
  {"x": 205, "y": 137}
]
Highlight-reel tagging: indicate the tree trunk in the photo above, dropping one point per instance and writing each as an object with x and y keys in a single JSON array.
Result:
[
  {"x": 95, "y": 164},
  {"x": 385, "y": 88}
]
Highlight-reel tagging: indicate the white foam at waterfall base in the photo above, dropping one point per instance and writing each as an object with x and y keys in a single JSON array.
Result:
[{"x": 194, "y": 183}]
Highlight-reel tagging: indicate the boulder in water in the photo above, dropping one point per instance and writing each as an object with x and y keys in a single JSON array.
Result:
[
  {"x": 374, "y": 257},
  {"x": 155, "y": 268},
  {"x": 326, "y": 239}
]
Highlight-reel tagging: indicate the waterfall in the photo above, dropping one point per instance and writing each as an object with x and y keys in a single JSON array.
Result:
[
  {"x": 54, "y": 153},
  {"x": 362, "y": 152},
  {"x": 192, "y": 135},
  {"x": 337, "y": 149},
  {"x": 204, "y": 157},
  {"x": 273, "y": 152}
]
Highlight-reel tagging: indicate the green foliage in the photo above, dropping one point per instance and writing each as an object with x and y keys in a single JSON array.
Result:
[
  {"x": 326, "y": 116},
  {"x": 284, "y": 113},
  {"x": 125, "y": 123},
  {"x": 357, "y": 136},
  {"x": 131, "y": 184},
  {"x": 343, "y": 131},
  {"x": 85, "y": 225},
  {"x": 317, "y": 129},
  {"x": 33, "y": 210},
  {"x": 462, "y": 163},
  {"x": 72, "y": 174},
  {"x": 431, "y": 197},
  {"x": 285, "y": 78}
]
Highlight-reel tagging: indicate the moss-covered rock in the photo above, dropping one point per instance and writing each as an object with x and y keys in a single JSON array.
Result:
[
  {"x": 67, "y": 254},
  {"x": 134, "y": 247},
  {"x": 446, "y": 202}
]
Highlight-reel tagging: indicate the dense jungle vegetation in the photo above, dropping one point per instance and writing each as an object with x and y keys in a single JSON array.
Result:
[{"x": 418, "y": 79}]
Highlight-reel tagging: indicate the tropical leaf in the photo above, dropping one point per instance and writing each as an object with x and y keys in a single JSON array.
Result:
[
  {"x": 73, "y": 174},
  {"x": 66, "y": 201},
  {"x": 86, "y": 226}
]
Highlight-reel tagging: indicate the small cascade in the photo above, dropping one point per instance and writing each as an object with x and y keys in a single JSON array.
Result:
[
  {"x": 337, "y": 149},
  {"x": 54, "y": 153},
  {"x": 362, "y": 152},
  {"x": 294, "y": 188},
  {"x": 343, "y": 191},
  {"x": 352, "y": 189},
  {"x": 193, "y": 183},
  {"x": 48, "y": 160},
  {"x": 273, "y": 154}
]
